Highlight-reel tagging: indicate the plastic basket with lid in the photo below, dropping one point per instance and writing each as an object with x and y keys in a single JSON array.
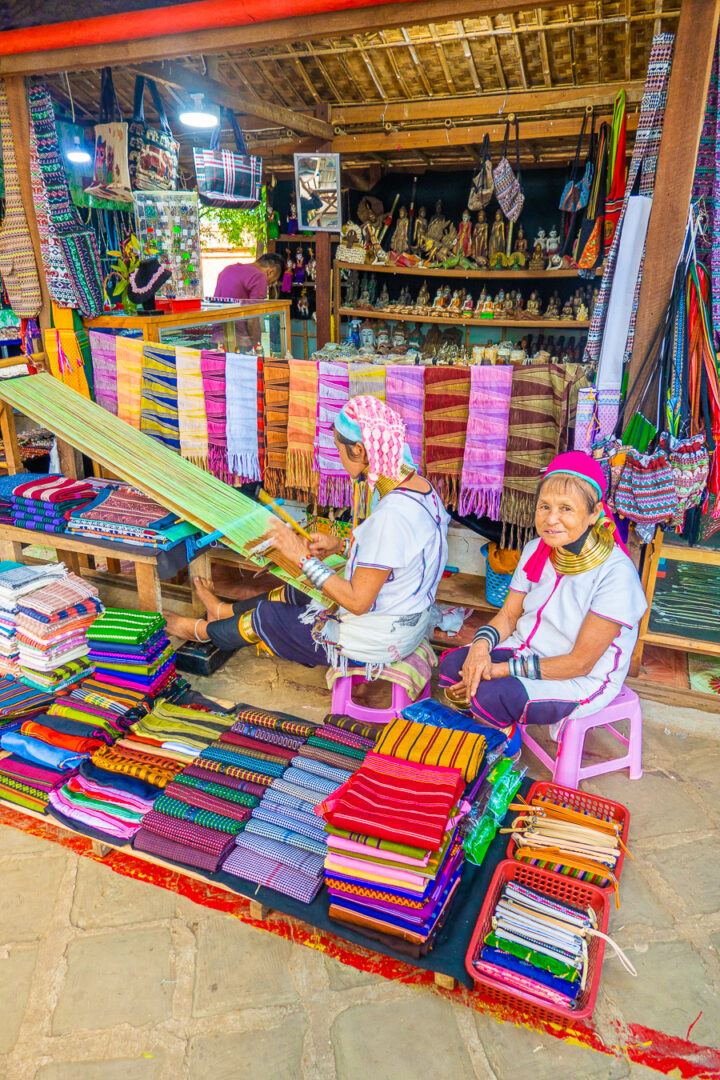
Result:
[
  {"x": 567, "y": 890},
  {"x": 497, "y": 586},
  {"x": 585, "y": 803}
]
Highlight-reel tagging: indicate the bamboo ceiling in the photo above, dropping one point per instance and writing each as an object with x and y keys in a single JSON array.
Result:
[{"x": 421, "y": 96}]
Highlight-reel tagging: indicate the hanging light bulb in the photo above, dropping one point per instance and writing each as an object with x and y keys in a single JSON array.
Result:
[
  {"x": 77, "y": 154},
  {"x": 198, "y": 116}
]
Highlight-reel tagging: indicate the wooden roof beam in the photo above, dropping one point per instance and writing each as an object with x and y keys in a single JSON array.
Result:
[
  {"x": 222, "y": 94},
  {"x": 278, "y": 32},
  {"x": 485, "y": 105}
]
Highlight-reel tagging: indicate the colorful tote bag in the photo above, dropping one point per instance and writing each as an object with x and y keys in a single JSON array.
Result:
[
  {"x": 507, "y": 186},
  {"x": 226, "y": 179},
  {"x": 646, "y": 490},
  {"x": 153, "y": 154},
  {"x": 111, "y": 175}
]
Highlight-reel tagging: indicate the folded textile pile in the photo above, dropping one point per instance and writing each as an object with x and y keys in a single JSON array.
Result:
[
  {"x": 537, "y": 945},
  {"x": 179, "y": 731},
  {"x": 18, "y": 701},
  {"x": 52, "y": 623},
  {"x": 8, "y": 484},
  {"x": 44, "y": 502},
  {"x": 16, "y": 581},
  {"x": 108, "y": 802},
  {"x": 427, "y": 744},
  {"x": 394, "y": 854},
  {"x": 341, "y": 742},
  {"x": 127, "y": 516},
  {"x": 130, "y": 650},
  {"x": 28, "y": 784},
  {"x": 284, "y": 844}
]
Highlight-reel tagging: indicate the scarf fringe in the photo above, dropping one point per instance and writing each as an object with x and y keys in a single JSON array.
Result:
[
  {"x": 246, "y": 466},
  {"x": 480, "y": 501},
  {"x": 218, "y": 465},
  {"x": 196, "y": 459},
  {"x": 300, "y": 469},
  {"x": 335, "y": 491},
  {"x": 448, "y": 488},
  {"x": 274, "y": 483}
]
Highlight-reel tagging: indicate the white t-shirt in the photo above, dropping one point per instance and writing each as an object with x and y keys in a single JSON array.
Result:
[
  {"x": 554, "y": 609},
  {"x": 407, "y": 535}
]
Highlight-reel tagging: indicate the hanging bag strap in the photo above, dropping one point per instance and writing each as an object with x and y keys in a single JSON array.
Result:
[
  {"x": 236, "y": 129},
  {"x": 485, "y": 149},
  {"x": 139, "y": 103},
  {"x": 578, "y": 148},
  {"x": 517, "y": 149},
  {"x": 109, "y": 104}
]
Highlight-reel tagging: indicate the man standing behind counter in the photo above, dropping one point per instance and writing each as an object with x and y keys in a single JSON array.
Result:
[{"x": 249, "y": 281}]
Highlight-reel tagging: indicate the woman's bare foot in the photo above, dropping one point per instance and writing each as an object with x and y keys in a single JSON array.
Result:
[
  {"x": 215, "y": 608},
  {"x": 186, "y": 627}
]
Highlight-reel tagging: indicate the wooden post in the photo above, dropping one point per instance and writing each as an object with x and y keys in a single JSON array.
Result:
[
  {"x": 13, "y": 457},
  {"x": 687, "y": 91},
  {"x": 322, "y": 287},
  {"x": 20, "y": 124},
  {"x": 148, "y": 586}
]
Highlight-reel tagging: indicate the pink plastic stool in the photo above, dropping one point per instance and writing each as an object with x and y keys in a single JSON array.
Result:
[
  {"x": 343, "y": 704},
  {"x": 567, "y": 768}
]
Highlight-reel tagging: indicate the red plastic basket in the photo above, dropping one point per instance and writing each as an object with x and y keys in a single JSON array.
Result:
[
  {"x": 187, "y": 304},
  {"x": 565, "y": 889},
  {"x": 585, "y": 804}
]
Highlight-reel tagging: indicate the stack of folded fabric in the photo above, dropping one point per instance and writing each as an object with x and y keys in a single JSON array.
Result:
[
  {"x": 52, "y": 623},
  {"x": 28, "y": 784},
  {"x": 130, "y": 650},
  {"x": 394, "y": 854},
  {"x": 178, "y": 731},
  {"x": 341, "y": 742},
  {"x": 44, "y": 502},
  {"x": 110, "y": 804},
  {"x": 16, "y": 581},
  {"x": 127, "y": 516},
  {"x": 17, "y": 701},
  {"x": 8, "y": 484}
]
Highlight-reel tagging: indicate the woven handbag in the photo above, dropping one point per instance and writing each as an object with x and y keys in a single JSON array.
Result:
[
  {"x": 111, "y": 176},
  {"x": 226, "y": 179},
  {"x": 507, "y": 185},
  {"x": 570, "y": 200},
  {"x": 646, "y": 491},
  {"x": 483, "y": 184},
  {"x": 152, "y": 154}
]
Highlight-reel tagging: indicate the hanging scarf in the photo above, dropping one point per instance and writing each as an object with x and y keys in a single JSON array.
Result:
[
  {"x": 80, "y": 285},
  {"x": 104, "y": 365},
  {"x": 302, "y": 414},
  {"x": 277, "y": 388},
  {"x": 706, "y": 188},
  {"x": 367, "y": 379},
  {"x": 487, "y": 433},
  {"x": 590, "y": 243},
  {"x": 159, "y": 404},
  {"x": 643, "y": 164},
  {"x": 17, "y": 257},
  {"x": 542, "y": 409},
  {"x": 192, "y": 421},
  {"x": 367, "y": 420},
  {"x": 617, "y": 169},
  {"x": 128, "y": 360},
  {"x": 447, "y": 402},
  {"x": 335, "y": 484},
  {"x": 212, "y": 363},
  {"x": 405, "y": 393},
  {"x": 704, "y": 376},
  {"x": 241, "y": 404}
]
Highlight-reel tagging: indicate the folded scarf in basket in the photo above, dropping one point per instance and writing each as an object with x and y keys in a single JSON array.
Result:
[
  {"x": 302, "y": 420},
  {"x": 447, "y": 401},
  {"x": 486, "y": 440},
  {"x": 159, "y": 404},
  {"x": 277, "y": 394},
  {"x": 192, "y": 421},
  {"x": 241, "y": 404}
]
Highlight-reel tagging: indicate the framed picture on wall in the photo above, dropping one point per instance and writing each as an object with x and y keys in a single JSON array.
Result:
[{"x": 317, "y": 184}]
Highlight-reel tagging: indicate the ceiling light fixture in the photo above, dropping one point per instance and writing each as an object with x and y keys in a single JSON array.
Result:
[
  {"x": 198, "y": 116},
  {"x": 77, "y": 155}
]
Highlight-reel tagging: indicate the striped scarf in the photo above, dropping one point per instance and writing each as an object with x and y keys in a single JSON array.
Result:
[
  {"x": 159, "y": 402},
  {"x": 335, "y": 484},
  {"x": 447, "y": 402},
  {"x": 102, "y": 349},
  {"x": 192, "y": 421},
  {"x": 487, "y": 434},
  {"x": 405, "y": 393},
  {"x": 128, "y": 361},
  {"x": 241, "y": 404},
  {"x": 277, "y": 392},
  {"x": 212, "y": 365},
  {"x": 302, "y": 415},
  {"x": 366, "y": 379},
  {"x": 17, "y": 257},
  {"x": 542, "y": 410}
]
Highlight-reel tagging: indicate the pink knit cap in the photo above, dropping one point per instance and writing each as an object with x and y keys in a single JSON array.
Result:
[{"x": 383, "y": 435}]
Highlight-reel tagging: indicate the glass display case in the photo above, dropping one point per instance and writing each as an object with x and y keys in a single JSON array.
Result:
[{"x": 236, "y": 327}]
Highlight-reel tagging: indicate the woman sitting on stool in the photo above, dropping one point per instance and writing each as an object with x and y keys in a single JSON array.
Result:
[
  {"x": 562, "y": 642},
  {"x": 395, "y": 561}
]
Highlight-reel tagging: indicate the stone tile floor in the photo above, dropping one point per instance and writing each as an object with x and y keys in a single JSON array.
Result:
[{"x": 103, "y": 977}]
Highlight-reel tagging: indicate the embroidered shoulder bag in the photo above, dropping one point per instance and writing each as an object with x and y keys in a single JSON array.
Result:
[
  {"x": 507, "y": 185},
  {"x": 153, "y": 154}
]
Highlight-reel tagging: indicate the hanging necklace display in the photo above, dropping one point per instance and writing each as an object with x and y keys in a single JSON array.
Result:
[{"x": 168, "y": 228}]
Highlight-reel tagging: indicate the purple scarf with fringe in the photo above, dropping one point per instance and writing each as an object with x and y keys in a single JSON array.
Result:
[
  {"x": 485, "y": 441},
  {"x": 405, "y": 393},
  {"x": 333, "y": 389},
  {"x": 212, "y": 366}
]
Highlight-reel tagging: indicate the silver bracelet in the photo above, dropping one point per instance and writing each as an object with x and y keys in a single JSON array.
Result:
[
  {"x": 346, "y": 548},
  {"x": 489, "y": 634},
  {"x": 316, "y": 571},
  {"x": 533, "y": 666}
]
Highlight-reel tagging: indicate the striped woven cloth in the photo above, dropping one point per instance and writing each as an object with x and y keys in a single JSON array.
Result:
[
  {"x": 129, "y": 363},
  {"x": 192, "y": 421},
  {"x": 405, "y": 393},
  {"x": 209, "y": 820},
  {"x": 302, "y": 420},
  {"x": 447, "y": 405},
  {"x": 159, "y": 396},
  {"x": 277, "y": 395}
]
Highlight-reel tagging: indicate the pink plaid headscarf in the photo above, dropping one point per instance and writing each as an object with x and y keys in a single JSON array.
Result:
[{"x": 380, "y": 429}]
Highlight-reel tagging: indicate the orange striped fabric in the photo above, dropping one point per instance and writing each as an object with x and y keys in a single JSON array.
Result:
[{"x": 427, "y": 745}]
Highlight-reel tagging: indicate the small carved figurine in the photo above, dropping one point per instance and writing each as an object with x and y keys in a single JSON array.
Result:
[
  {"x": 400, "y": 242},
  {"x": 438, "y": 223},
  {"x": 420, "y": 228},
  {"x": 497, "y": 237}
]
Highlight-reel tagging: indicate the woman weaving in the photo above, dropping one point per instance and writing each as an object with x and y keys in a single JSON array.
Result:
[
  {"x": 395, "y": 561},
  {"x": 562, "y": 642}
]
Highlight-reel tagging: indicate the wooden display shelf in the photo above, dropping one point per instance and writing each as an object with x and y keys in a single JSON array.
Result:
[
  {"x": 465, "y": 590},
  {"x": 426, "y": 271},
  {"x": 445, "y": 320}
]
